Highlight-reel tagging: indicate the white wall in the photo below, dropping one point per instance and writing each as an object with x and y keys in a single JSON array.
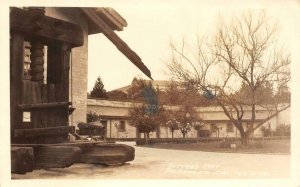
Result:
[{"x": 121, "y": 109}]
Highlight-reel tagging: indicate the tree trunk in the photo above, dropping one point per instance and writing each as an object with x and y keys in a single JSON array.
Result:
[
  {"x": 146, "y": 137},
  {"x": 172, "y": 134},
  {"x": 244, "y": 138},
  {"x": 183, "y": 135}
]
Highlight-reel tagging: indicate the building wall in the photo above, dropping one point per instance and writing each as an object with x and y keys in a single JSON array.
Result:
[
  {"x": 213, "y": 115},
  {"x": 112, "y": 131},
  {"x": 79, "y": 63}
]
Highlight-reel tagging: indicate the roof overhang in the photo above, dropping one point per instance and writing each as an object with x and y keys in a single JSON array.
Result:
[{"x": 111, "y": 17}]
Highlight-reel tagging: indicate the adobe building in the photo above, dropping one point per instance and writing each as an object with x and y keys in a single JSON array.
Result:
[{"x": 115, "y": 117}]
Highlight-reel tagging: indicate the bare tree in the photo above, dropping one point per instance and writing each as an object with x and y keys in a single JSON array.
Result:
[{"x": 243, "y": 51}]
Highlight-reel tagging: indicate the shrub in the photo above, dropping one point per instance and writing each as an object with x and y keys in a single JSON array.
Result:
[
  {"x": 283, "y": 130},
  {"x": 258, "y": 145},
  {"x": 266, "y": 131},
  {"x": 92, "y": 117},
  {"x": 226, "y": 143}
]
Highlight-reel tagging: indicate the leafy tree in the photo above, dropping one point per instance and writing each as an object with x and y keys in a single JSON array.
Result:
[
  {"x": 98, "y": 89},
  {"x": 264, "y": 93},
  {"x": 183, "y": 119},
  {"x": 135, "y": 92},
  {"x": 177, "y": 93},
  {"x": 187, "y": 118},
  {"x": 147, "y": 114},
  {"x": 144, "y": 121},
  {"x": 117, "y": 95},
  {"x": 172, "y": 95},
  {"x": 283, "y": 94},
  {"x": 172, "y": 122}
]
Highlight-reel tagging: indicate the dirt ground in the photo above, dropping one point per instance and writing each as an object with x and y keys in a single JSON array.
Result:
[{"x": 154, "y": 163}]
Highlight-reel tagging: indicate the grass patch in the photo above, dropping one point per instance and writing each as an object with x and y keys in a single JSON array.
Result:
[{"x": 254, "y": 146}]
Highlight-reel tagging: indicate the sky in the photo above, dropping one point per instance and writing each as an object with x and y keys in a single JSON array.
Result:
[{"x": 153, "y": 24}]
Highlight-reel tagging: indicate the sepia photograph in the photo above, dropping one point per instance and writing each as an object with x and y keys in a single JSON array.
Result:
[{"x": 199, "y": 92}]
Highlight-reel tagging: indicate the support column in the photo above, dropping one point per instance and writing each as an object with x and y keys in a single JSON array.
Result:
[{"x": 16, "y": 77}]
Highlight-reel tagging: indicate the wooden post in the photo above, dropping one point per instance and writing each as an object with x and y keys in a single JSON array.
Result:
[
  {"x": 65, "y": 71},
  {"x": 65, "y": 80},
  {"x": 16, "y": 76}
]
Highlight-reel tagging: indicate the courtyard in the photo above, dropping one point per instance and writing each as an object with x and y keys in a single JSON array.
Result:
[{"x": 156, "y": 163}]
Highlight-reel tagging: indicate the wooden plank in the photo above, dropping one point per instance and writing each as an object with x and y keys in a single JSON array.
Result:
[
  {"x": 45, "y": 28},
  {"x": 48, "y": 131},
  {"x": 53, "y": 114},
  {"x": 33, "y": 92},
  {"x": 45, "y": 94},
  {"x": 34, "y": 119},
  {"x": 35, "y": 115},
  {"x": 26, "y": 92},
  {"x": 43, "y": 105},
  {"x": 44, "y": 100},
  {"x": 16, "y": 76}
]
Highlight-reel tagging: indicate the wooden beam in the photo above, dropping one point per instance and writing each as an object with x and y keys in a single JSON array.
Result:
[
  {"x": 50, "y": 131},
  {"x": 82, "y": 143},
  {"x": 116, "y": 40},
  {"x": 16, "y": 76},
  {"x": 43, "y": 105},
  {"x": 46, "y": 28}
]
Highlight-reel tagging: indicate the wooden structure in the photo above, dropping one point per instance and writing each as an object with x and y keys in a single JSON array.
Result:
[
  {"x": 44, "y": 101},
  {"x": 39, "y": 102},
  {"x": 43, "y": 96}
]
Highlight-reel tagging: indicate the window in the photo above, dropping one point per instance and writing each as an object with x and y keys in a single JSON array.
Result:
[
  {"x": 122, "y": 126},
  {"x": 229, "y": 127},
  {"x": 27, "y": 60},
  {"x": 213, "y": 127},
  {"x": 104, "y": 123}
]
